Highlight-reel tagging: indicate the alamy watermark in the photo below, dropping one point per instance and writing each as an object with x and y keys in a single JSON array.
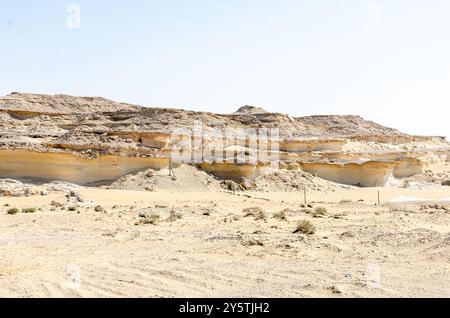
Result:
[
  {"x": 202, "y": 143},
  {"x": 375, "y": 17},
  {"x": 73, "y": 20},
  {"x": 73, "y": 278},
  {"x": 373, "y": 276}
]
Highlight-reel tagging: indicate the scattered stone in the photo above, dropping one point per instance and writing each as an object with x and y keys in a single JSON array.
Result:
[
  {"x": 247, "y": 184},
  {"x": 334, "y": 290},
  {"x": 100, "y": 209},
  {"x": 252, "y": 243}
]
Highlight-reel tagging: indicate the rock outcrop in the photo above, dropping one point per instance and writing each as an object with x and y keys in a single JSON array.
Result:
[{"x": 85, "y": 140}]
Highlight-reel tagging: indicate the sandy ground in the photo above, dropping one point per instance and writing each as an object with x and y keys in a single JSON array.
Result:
[{"x": 208, "y": 248}]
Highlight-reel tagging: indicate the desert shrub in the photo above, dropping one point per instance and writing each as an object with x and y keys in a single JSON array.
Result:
[
  {"x": 320, "y": 211},
  {"x": 261, "y": 216},
  {"x": 13, "y": 211},
  {"x": 72, "y": 208},
  {"x": 256, "y": 212},
  {"x": 307, "y": 211},
  {"x": 282, "y": 215},
  {"x": 252, "y": 211},
  {"x": 153, "y": 219},
  {"x": 57, "y": 204},
  {"x": 174, "y": 216},
  {"x": 29, "y": 210},
  {"x": 305, "y": 227},
  {"x": 344, "y": 201}
]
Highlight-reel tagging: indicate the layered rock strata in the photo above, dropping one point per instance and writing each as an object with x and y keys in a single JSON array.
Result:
[{"x": 85, "y": 140}]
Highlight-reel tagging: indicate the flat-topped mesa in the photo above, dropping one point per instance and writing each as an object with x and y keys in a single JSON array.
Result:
[{"x": 89, "y": 139}]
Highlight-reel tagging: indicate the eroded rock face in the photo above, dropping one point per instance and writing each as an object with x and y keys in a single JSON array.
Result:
[{"x": 90, "y": 139}]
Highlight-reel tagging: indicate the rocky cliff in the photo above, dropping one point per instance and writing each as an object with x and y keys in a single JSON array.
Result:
[{"x": 89, "y": 139}]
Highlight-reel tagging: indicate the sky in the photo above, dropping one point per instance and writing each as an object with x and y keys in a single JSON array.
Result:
[{"x": 387, "y": 61}]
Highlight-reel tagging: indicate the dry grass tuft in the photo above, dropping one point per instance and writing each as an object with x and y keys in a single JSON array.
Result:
[
  {"x": 320, "y": 211},
  {"x": 282, "y": 215},
  {"x": 29, "y": 210},
  {"x": 256, "y": 212},
  {"x": 153, "y": 219},
  {"x": 13, "y": 211},
  {"x": 305, "y": 227},
  {"x": 174, "y": 216}
]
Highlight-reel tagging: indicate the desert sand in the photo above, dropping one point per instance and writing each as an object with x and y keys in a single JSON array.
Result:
[{"x": 204, "y": 246}]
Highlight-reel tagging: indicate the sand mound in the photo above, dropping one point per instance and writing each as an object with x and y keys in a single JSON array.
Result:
[
  {"x": 188, "y": 178},
  {"x": 291, "y": 181}
]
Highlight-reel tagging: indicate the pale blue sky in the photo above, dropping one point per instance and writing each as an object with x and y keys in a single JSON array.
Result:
[{"x": 388, "y": 61}]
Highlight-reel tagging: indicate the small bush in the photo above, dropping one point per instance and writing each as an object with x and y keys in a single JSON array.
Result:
[
  {"x": 256, "y": 212},
  {"x": 252, "y": 211},
  {"x": 307, "y": 211},
  {"x": 320, "y": 211},
  {"x": 29, "y": 210},
  {"x": 345, "y": 201},
  {"x": 174, "y": 216},
  {"x": 57, "y": 204},
  {"x": 72, "y": 208},
  {"x": 282, "y": 215},
  {"x": 13, "y": 211},
  {"x": 153, "y": 219},
  {"x": 305, "y": 227}
]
